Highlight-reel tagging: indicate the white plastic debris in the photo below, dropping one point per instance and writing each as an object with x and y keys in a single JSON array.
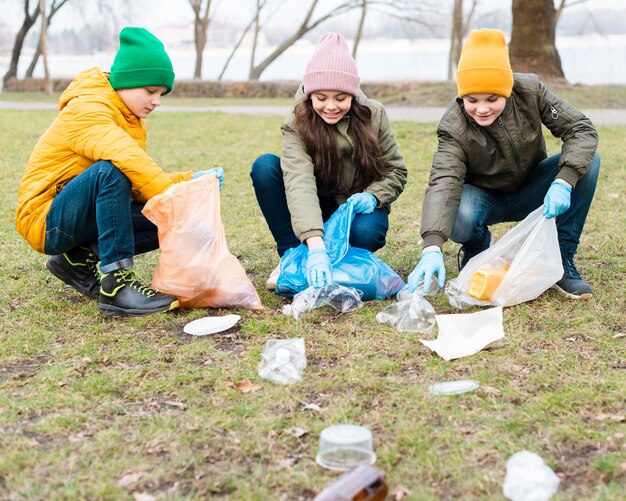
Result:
[
  {"x": 211, "y": 325},
  {"x": 528, "y": 478},
  {"x": 343, "y": 299},
  {"x": 283, "y": 360},
  {"x": 412, "y": 313}
]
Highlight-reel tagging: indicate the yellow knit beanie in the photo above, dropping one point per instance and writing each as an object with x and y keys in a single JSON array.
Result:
[{"x": 484, "y": 66}]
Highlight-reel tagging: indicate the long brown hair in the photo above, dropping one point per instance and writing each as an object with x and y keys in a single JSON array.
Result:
[{"x": 320, "y": 141}]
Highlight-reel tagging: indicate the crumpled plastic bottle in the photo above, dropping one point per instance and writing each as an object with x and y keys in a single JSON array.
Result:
[
  {"x": 412, "y": 313},
  {"x": 343, "y": 299},
  {"x": 283, "y": 360},
  {"x": 528, "y": 478}
]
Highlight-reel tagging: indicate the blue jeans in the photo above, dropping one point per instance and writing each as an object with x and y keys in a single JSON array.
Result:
[
  {"x": 96, "y": 210},
  {"x": 368, "y": 231},
  {"x": 481, "y": 207}
]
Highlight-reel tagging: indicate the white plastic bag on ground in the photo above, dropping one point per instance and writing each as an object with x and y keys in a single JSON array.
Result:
[
  {"x": 343, "y": 299},
  {"x": 412, "y": 313},
  {"x": 531, "y": 252},
  {"x": 283, "y": 360},
  {"x": 528, "y": 478}
]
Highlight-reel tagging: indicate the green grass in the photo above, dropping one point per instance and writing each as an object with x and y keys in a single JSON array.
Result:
[{"x": 94, "y": 408}]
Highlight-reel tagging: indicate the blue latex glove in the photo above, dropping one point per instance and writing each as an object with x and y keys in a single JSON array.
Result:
[
  {"x": 557, "y": 199},
  {"x": 364, "y": 203},
  {"x": 318, "y": 272},
  {"x": 430, "y": 263},
  {"x": 218, "y": 171}
]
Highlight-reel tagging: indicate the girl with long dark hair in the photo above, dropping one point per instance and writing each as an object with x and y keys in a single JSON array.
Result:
[{"x": 338, "y": 146}]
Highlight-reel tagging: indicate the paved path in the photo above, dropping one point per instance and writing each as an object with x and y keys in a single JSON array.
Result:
[{"x": 408, "y": 113}]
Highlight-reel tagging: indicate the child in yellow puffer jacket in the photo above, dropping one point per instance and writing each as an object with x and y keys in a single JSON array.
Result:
[{"x": 89, "y": 176}]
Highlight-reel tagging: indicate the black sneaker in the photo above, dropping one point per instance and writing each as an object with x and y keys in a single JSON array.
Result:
[
  {"x": 122, "y": 295},
  {"x": 78, "y": 268},
  {"x": 572, "y": 285},
  {"x": 466, "y": 253}
]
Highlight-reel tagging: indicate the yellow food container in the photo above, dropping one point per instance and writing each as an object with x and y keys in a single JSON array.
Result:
[{"x": 485, "y": 281}]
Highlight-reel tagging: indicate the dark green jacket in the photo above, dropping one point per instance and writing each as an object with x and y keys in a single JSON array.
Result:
[
  {"x": 501, "y": 155},
  {"x": 301, "y": 187}
]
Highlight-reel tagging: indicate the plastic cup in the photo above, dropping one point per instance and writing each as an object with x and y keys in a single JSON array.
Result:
[{"x": 343, "y": 447}]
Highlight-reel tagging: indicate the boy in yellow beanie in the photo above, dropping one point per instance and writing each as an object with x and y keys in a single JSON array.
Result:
[
  {"x": 491, "y": 164},
  {"x": 89, "y": 176}
]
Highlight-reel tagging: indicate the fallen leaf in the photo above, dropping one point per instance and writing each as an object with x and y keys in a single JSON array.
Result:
[
  {"x": 398, "y": 493},
  {"x": 297, "y": 432},
  {"x": 179, "y": 405},
  {"x": 572, "y": 339},
  {"x": 310, "y": 407},
  {"x": 618, "y": 418},
  {"x": 129, "y": 478},
  {"x": 246, "y": 386},
  {"x": 286, "y": 463},
  {"x": 619, "y": 335},
  {"x": 143, "y": 496},
  {"x": 489, "y": 390}
]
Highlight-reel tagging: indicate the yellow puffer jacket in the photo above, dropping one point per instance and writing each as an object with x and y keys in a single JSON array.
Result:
[{"x": 93, "y": 124}]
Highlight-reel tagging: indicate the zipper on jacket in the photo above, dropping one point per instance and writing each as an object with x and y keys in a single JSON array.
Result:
[
  {"x": 553, "y": 112},
  {"x": 511, "y": 144}
]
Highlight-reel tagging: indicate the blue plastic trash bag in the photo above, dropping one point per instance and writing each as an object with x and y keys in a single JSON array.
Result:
[{"x": 351, "y": 266}]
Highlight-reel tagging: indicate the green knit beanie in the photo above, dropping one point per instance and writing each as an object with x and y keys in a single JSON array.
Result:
[{"x": 141, "y": 61}]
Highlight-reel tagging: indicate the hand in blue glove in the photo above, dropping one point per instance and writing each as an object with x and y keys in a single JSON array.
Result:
[
  {"x": 364, "y": 203},
  {"x": 318, "y": 272},
  {"x": 217, "y": 171},
  {"x": 430, "y": 263},
  {"x": 557, "y": 199}
]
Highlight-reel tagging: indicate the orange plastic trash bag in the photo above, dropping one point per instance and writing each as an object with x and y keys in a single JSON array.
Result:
[{"x": 195, "y": 264}]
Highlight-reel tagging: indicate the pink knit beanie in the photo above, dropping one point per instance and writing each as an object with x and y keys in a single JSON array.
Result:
[{"x": 331, "y": 67}]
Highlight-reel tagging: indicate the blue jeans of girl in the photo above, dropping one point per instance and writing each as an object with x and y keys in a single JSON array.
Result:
[
  {"x": 368, "y": 231},
  {"x": 480, "y": 207},
  {"x": 96, "y": 210}
]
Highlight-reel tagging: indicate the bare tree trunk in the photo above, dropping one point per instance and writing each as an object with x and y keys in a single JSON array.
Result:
[
  {"x": 255, "y": 39},
  {"x": 533, "y": 47},
  {"x": 306, "y": 26},
  {"x": 456, "y": 37},
  {"x": 42, "y": 48},
  {"x": 33, "y": 63},
  {"x": 359, "y": 29},
  {"x": 27, "y": 24},
  {"x": 200, "y": 25},
  {"x": 237, "y": 45}
]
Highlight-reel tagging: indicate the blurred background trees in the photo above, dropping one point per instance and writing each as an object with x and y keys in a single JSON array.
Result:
[{"x": 283, "y": 23}]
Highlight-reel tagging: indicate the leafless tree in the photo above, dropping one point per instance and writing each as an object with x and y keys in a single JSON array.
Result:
[
  {"x": 309, "y": 23},
  {"x": 533, "y": 39},
  {"x": 360, "y": 26},
  {"x": 201, "y": 10},
  {"x": 460, "y": 26},
  {"x": 54, "y": 8},
  {"x": 42, "y": 47},
  {"x": 27, "y": 24}
]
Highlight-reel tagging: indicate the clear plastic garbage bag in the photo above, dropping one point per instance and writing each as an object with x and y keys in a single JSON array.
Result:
[
  {"x": 411, "y": 313},
  {"x": 529, "y": 260},
  {"x": 350, "y": 266},
  {"x": 343, "y": 299},
  {"x": 528, "y": 478},
  {"x": 283, "y": 361},
  {"x": 195, "y": 264}
]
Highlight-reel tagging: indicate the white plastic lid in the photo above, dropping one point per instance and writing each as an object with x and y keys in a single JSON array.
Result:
[
  {"x": 211, "y": 325},
  {"x": 453, "y": 387}
]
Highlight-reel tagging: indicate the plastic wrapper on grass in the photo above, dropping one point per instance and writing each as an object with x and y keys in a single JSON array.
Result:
[
  {"x": 412, "y": 313},
  {"x": 343, "y": 299}
]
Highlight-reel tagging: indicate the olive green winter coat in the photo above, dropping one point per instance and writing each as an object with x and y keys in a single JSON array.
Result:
[{"x": 500, "y": 156}]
